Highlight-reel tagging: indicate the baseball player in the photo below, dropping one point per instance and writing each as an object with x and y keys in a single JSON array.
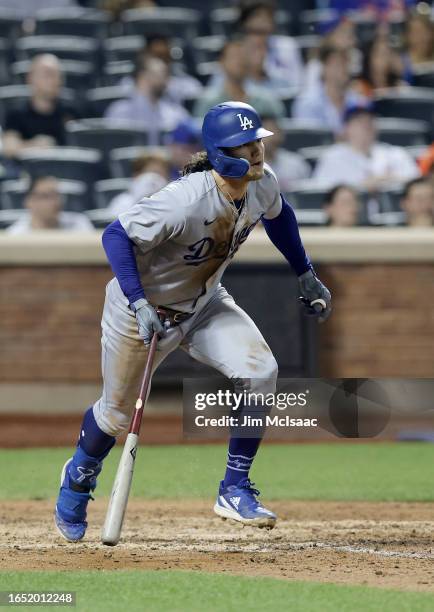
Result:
[{"x": 170, "y": 250}]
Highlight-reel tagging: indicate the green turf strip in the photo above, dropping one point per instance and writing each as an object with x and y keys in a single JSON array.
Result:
[
  {"x": 194, "y": 591},
  {"x": 339, "y": 471}
]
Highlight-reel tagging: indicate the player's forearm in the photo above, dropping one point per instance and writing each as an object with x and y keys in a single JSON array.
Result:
[
  {"x": 284, "y": 234},
  {"x": 120, "y": 253}
]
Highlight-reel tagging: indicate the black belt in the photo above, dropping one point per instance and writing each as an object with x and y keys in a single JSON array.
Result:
[{"x": 174, "y": 316}]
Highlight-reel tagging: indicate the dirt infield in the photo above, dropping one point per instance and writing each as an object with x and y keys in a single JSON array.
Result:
[{"x": 375, "y": 544}]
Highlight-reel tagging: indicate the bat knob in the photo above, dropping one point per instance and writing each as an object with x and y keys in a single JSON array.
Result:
[{"x": 318, "y": 305}]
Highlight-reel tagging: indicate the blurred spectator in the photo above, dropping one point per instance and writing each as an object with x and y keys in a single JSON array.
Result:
[
  {"x": 381, "y": 68},
  {"x": 234, "y": 68},
  {"x": 342, "y": 206},
  {"x": 324, "y": 104},
  {"x": 183, "y": 142},
  {"x": 418, "y": 203},
  {"x": 44, "y": 210},
  {"x": 338, "y": 32},
  {"x": 41, "y": 122},
  {"x": 282, "y": 63},
  {"x": 150, "y": 174},
  {"x": 149, "y": 103},
  {"x": 180, "y": 85},
  {"x": 360, "y": 160},
  {"x": 419, "y": 43},
  {"x": 115, "y": 7},
  {"x": 289, "y": 167}
]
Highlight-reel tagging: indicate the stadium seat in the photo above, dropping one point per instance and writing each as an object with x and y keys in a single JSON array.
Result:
[
  {"x": 424, "y": 78},
  {"x": 207, "y": 48},
  {"x": 403, "y": 132},
  {"x": 9, "y": 216},
  {"x": 72, "y": 21},
  {"x": 312, "y": 154},
  {"x": 223, "y": 20},
  {"x": 68, "y": 163},
  {"x": 114, "y": 72},
  {"x": 122, "y": 48},
  {"x": 307, "y": 197},
  {"x": 310, "y": 20},
  {"x": 407, "y": 103},
  {"x": 4, "y": 61},
  {"x": 105, "y": 135},
  {"x": 121, "y": 159},
  {"x": 10, "y": 24},
  {"x": 15, "y": 96},
  {"x": 170, "y": 21},
  {"x": 63, "y": 47},
  {"x": 100, "y": 98},
  {"x": 299, "y": 134},
  {"x": 77, "y": 75},
  {"x": 107, "y": 189},
  {"x": 12, "y": 194}
]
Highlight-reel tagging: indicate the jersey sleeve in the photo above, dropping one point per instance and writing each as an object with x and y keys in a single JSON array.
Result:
[
  {"x": 271, "y": 197},
  {"x": 153, "y": 220}
]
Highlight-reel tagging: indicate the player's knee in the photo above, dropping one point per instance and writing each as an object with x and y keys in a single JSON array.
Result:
[
  {"x": 111, "y": 420},
  {"x": 262, "y": 380}
]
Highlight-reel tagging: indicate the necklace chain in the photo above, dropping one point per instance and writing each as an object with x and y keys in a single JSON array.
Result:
[{"x": 230, "y": 199}]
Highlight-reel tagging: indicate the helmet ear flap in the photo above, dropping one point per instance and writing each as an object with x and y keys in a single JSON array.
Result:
[{"x": 232, "y": 167}]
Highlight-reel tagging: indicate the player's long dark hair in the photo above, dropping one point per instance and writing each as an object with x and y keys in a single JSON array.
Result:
[{"x": 197, "y": 163}]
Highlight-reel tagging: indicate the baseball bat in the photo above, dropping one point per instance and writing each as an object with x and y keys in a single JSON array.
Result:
[{"x": 114, "y": 519}]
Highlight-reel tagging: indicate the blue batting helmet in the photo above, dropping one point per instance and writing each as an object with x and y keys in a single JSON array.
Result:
[{"x": 230, "y": 124}]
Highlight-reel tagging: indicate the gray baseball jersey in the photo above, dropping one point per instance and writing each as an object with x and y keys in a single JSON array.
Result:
[
  {"x": 185, "y": 236},
  {"x": 187, "y": 233}
]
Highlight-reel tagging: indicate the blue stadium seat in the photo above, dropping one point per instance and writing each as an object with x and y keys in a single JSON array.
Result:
[
  {"x": 172, "y": 22},
  {"x": 407, "y": 103},
  {"x": 100, "y": 98},
  {"x": 122, "y": 48},
  {"x": 299, "y": 134},
  {"x": 107, "y": 189},
  {"x": 105, "y": 135},
  {"x": 73, "y": 21},
  {"x": 403, "y": 132},
  {"x": 223, "y": 20},
  {"x": 64, "y": 47}
]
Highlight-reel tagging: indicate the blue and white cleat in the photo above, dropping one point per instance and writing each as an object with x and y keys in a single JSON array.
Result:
[
  {"x": 238, "y": 502},
  {"x": 71, "y": 506}
]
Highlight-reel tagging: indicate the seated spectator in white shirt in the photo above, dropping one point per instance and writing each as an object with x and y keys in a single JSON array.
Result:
[
  {"x": 324, "y": 104},
  {"x": 360, "y": 160},
  {"x": 418, "y": 203},
  {"x": 150, "y": 174},
  {"x": 342, "y": 206},
  {"x": 44, "y": 210},
  {"x": 149, "y": 103},
  {"x": 289, "y": 167}
]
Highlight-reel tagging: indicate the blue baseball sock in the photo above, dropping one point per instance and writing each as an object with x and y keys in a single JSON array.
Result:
[
  {"x": 241, "y": 453},
  {"x": 93, "y": 440}
]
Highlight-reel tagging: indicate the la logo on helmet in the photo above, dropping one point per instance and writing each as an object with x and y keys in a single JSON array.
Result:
[{"x": 245, "y": 122}]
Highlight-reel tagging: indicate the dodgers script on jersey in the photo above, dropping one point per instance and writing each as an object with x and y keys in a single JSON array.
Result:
[{"x": 186, "y": 235}]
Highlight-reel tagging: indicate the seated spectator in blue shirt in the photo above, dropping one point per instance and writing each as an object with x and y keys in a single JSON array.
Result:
[
  {"x": 149, "y": 103},
  {"x": 325, "y": 103},
  {"x": 419, "y": 44}
]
